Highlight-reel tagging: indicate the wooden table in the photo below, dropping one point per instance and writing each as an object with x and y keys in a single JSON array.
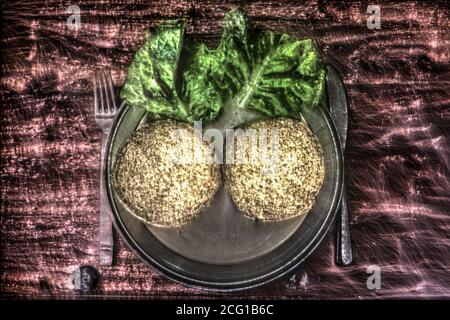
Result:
[{"x": 397, "y": 78}]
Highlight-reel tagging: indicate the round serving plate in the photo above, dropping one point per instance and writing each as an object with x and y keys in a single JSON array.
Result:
[{"x": 222, "y": 249}]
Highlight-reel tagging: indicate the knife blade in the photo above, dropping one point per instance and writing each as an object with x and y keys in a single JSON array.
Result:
[{"x": 337, "y": 103}]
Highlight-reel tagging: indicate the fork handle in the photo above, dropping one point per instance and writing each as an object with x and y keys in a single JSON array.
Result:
[
  {"x": 344, "y": 254},
  {"x": 106, "y": 237}
]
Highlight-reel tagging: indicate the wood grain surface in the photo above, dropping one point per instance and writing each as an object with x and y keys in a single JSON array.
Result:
[{"x": 398, "y": 167}]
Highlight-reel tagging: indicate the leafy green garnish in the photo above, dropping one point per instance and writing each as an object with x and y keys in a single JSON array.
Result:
[
  {"x": 150, "y": 81},
  {"x": 176, "y": 77},
  {"x": 275, "y": 74},
  {"x": 169, "y": 77}
]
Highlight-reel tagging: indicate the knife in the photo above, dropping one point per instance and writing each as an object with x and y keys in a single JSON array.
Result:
[{"x": 337, "y": 103}]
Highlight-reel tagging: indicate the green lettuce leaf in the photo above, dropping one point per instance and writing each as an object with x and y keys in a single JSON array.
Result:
[
  {"x": 150, "y": 80},
  {"x": 196, "y": 90},
  {"x": 275, "y": 74},
  {"x": 169, "y": 77},
  {"x": 251, "y": 69}
]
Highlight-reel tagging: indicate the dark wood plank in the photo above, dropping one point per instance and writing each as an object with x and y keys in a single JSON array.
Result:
[{"x": 398, "y": 150}]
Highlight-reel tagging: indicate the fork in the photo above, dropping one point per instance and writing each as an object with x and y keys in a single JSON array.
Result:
[{"x": 105, "y": 111}]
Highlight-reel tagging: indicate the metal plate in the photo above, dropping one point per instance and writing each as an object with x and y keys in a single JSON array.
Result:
[{"x": 222, "y": 249}]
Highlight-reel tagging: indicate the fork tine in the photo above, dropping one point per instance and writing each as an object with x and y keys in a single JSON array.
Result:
[
  {"x": 104, "y": 94},
  {"x": 106, "y": 100},
  {"x": 111, "y": 92},
  {"x": 96, "y": 94}
]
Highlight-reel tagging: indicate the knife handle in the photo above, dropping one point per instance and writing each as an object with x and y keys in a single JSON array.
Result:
[{"x": 344, "y": 255}]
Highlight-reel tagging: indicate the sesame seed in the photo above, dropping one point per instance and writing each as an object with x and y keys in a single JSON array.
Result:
[
  {"x": 157, "y": 189},
  {"x": 291, "y": 188}
]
